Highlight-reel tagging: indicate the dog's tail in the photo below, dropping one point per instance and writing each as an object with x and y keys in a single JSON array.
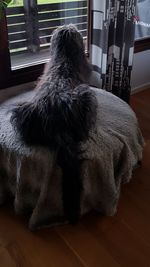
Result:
[
  {"x": 61, "y": 120},
  {"x": 78, "y": 115}
]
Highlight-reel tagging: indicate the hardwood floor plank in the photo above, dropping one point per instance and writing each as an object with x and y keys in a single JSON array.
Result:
[
  {"x": 87, "y": 246},
  {"x": 5, "y": 259},
  {"x": 42, "y": 248},
  {"x": 123, "y": 244},
  {"x": 129, "y": 213}
]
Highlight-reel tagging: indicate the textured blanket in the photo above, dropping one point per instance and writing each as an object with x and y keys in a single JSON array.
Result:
[{"x": 31, "y": 176}]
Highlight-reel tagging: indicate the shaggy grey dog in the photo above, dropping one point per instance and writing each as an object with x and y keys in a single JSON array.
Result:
[{"x": 62, "y": 112}]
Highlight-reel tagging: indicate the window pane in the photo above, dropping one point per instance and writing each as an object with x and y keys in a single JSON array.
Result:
[
  {"x": 31, "y": 23},
  {"x": 142, "y": 19}
]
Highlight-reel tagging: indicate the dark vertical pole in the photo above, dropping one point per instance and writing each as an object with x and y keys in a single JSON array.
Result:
[
  {"x": 89, "y": 26},
  {"x": 31, "y": 18},
  {"x": 5, "y": 65},
  {"x": 35, "y": 23}
]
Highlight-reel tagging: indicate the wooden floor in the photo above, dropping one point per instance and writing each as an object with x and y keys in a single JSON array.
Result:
[{"x": 96, "y": 241}]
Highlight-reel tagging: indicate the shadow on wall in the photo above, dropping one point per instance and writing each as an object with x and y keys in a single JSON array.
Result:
[{"x": 141, "y": 70}]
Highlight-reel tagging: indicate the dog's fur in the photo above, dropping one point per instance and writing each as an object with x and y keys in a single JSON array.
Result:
[{"x": 62, "y": 111}]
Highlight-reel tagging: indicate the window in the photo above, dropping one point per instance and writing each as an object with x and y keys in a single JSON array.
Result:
[
  {"x": 142, "y": 29},
  {"x": 31, "y": 23},
  {"x": 25, "y": 31}
]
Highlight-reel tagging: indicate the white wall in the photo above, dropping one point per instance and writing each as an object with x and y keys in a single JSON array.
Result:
[{"x": 141, "y": 71}]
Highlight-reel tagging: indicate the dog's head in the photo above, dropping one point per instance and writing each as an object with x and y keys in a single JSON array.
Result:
[
  {"x": 67, "y": 41},
  {"x": 67, "y": 46}
]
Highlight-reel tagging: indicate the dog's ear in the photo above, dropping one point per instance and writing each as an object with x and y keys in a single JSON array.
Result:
[
  {"x": 27, "y": 121},
  {"x": 73, "y": 40}
]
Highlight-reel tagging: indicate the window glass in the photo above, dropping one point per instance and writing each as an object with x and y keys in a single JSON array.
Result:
[
  {"x": 142, "y": 19},
  {"x": 31, "y": 23}
]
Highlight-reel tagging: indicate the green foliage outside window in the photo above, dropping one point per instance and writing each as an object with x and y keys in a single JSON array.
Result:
[{"x": 3, "y": 5}]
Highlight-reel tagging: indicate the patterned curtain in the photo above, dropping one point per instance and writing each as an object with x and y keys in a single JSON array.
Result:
[{"x": 112, "y": 44}]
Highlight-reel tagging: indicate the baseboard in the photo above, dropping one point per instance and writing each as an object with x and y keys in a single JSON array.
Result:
[{"x": 140, "y": 88}]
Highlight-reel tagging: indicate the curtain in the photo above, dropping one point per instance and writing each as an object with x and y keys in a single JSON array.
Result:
[{"x": 112, "y": 45}]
